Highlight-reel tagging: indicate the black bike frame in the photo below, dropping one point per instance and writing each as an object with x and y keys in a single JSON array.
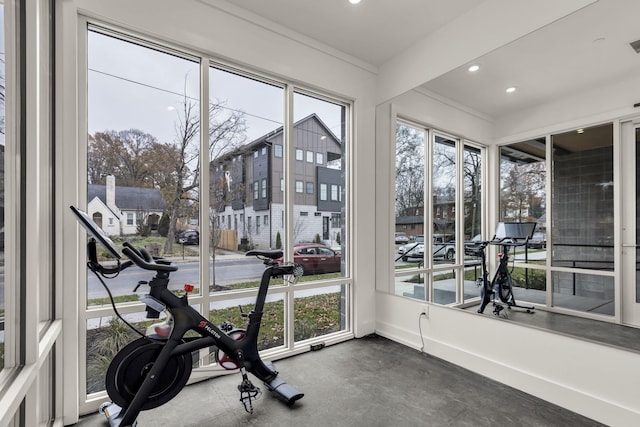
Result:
[
  {"x": 243, "y": 351},
  {"x": 502, "y": 273}
]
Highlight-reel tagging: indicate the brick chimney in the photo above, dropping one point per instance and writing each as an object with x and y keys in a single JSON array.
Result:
[{"x": 111, "y": 193}]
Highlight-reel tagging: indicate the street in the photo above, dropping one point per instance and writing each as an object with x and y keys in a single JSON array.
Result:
[{"x": 227, "y": 271}]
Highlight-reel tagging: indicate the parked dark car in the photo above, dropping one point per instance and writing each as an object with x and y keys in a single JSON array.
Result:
[
  {"x": 316, "y": 258},
  {"x": 188, "y": 237}
]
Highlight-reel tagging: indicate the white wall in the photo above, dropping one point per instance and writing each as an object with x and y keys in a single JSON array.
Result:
[
  {"x": 600, "y": 382},
  {"x": 433, "y": 112},
  {"x": 595, "y": 380}
]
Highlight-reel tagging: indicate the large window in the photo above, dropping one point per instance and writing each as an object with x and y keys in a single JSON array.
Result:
[
  {"x": 578, "y": 249},
  {"x": 143, "y": 154},
  {"x": 583, "y": 220},
  {"x": 523, "y": 198},
  {"x": 205, "y": 197},
  {"x": 438, "y": 193}
]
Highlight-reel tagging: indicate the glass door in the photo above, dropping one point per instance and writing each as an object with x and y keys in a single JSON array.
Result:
[{"x": 631, "y": 223}]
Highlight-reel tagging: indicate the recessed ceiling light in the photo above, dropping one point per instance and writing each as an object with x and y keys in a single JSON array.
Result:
[
  {"x": 474, "y": 68},
  {"x": 354, "y": 1},
  {"x": 510, "y": 89},
  {"x": 580, "y": 131}
]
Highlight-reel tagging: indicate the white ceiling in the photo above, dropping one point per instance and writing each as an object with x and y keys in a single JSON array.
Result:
[
  {"x": 587, "y": 48},
  {"x": 373, "y": 31}
]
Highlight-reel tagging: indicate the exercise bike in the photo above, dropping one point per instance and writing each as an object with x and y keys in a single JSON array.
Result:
[
  {"x": 151, "y": 370},
  {"x": 499, "y": 290}
]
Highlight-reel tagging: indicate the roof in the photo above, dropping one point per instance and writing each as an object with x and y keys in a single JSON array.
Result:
[
  {"x": 266, "y": 138},
  {"x": 130, "y": 198}
]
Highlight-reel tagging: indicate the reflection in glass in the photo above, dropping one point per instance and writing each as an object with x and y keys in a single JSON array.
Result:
[
  {"x": 472, "y": 193},
  {"x": 473, "y": 209},
  {"x": 584, "y": 292},
  {"x": 444, "y": 199},
  {"x": 408, "y": 241},
  {"x": 444, "y": 286},
  {"x": 412, "y": 285},
  {"x": 583, "y": 217},
  {"x": 523, "y": 199}
]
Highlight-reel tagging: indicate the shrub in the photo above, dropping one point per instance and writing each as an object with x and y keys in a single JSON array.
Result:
[
  {"x": 278, "y": 241},
  {"x": 163, "y": 225}
]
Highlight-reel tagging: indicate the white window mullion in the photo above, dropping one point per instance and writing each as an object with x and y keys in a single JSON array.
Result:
[
  {"x": 289, "y": 198},
  {"x": 205, "y": 218}
]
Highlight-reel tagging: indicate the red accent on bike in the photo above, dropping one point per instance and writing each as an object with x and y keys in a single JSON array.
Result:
[
  {"x": 188, "y": 287},
  {"x": 500, "y": 255}
]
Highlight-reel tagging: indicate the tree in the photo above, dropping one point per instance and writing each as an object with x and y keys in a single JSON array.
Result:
[
  {"x": 409, "y": 170},
  {"x": 182, "y": 178},
  {"x": 127, "y": 155},
  {"x": 522, "y": 190},
  {"x": 138, "y": 159}
]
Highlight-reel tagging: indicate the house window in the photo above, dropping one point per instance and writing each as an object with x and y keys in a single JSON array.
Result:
[
  {"x": 310, "y": 187},
  {"x": 299, "y": 186},
  {"x": 255, "y": 154},
  {"x": 130, "y": 218},
  {"x": 299, "y": 154},
  {"x": 334, "y": 192},
  {"x": 277, "y": 150},
  {"x": 255, "y": 190},
  {"x": 336, "y": 220},
  {"x": 304, "y": 213},
  {"x": 264, "y": 188},
  {"x": 266, "y": 220},
  {"x": 264, "y": 151},
  {"x": 249, "y": 224},
  {"x": 257, "y": 225},
  {"x": 323, "y": 191},
  {"x": 320, "y": 158},
  {"x": 309, "y": 156}
]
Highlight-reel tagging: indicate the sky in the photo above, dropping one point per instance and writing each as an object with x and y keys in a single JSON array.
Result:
[{"x": 136, "y": 87}]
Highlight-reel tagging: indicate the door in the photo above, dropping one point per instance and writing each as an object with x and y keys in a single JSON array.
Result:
[{"x": 630, "y": 138}]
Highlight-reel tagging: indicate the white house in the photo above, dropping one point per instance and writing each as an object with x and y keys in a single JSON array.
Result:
[{"x": 118, "y": 209}]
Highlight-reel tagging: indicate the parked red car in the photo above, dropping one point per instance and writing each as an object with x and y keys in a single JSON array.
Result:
[{"x": 316, "y": 258}]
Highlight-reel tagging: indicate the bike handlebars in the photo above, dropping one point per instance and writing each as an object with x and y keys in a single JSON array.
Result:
[{"x": 143, "y": 259}]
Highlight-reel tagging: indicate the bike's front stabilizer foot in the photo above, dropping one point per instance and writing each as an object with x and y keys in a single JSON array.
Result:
[
  {"x": 114, "y": 414},
  {"x": 284, "y": 391}
]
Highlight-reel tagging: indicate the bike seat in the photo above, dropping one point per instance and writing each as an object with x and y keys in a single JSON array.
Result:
[{"x": 271, "y": 253}]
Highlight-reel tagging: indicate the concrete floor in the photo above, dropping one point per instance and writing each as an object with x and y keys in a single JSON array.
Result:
[{"x": 370, "y": 381}]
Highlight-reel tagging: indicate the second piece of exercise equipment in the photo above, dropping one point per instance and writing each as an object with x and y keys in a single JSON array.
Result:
[{"x": 499, "y": 290}]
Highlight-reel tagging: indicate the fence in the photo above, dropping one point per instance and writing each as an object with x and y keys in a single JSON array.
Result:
[{"x": 228, "y": 239}]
